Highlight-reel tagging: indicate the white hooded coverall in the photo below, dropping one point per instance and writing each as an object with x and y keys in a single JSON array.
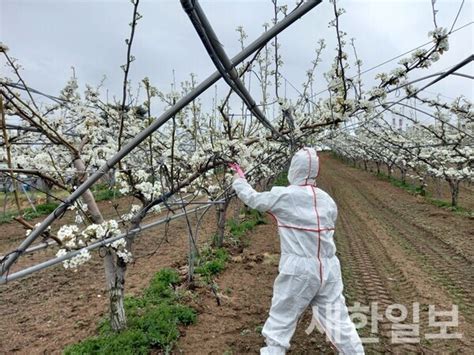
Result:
[{"x": 309, "y": 271}]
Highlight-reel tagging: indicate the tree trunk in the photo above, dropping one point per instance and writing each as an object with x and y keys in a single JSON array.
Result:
[
  {"x": 389, "y": 171},
  {"x": 403, "y": 173},
  {"x": 114, "y": 267},
  {"x": 454, "y": 187},
  {"x": 378, "y": 167},
  {"x": 48, "y": 189},
  {"x": 365, "y": 165},
  {"x": 191, "y": 258},
  {"x": 221, "y": 218},
  {"x": 423, "y": 186}
]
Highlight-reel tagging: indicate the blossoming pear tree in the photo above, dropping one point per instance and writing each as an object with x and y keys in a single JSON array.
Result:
[{"x": 187, "y": 158}]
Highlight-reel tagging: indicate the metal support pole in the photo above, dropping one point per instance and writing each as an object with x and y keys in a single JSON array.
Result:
[
  {"x": 46, "y": 244},
  {"x": 25, "y": 272},
  {"x": 224, "y": 65}
]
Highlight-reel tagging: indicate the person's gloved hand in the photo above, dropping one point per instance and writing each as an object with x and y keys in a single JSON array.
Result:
[{"x": 239, "y": 173}]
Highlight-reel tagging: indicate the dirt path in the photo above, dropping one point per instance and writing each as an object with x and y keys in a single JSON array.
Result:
[
  {"x": 394, "y": 248},
  {"x": 405, "y": 250}
]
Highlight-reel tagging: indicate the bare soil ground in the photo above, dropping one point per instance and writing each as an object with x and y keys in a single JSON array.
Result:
[
  {"x": 394, "y": 248},
  {"x": 55, "y": 307}
]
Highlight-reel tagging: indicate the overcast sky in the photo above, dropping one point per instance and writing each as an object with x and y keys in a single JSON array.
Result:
[{"x": 50, "y": 36}]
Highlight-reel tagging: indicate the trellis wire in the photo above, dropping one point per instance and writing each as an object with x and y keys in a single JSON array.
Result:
[
  {"x": 43, "y": 245},
  {"x": 427, "y": 77},
  {"x": 25, "y": 272},
  {"x": 389, "y": 60},
  {"x": 393, "y": 103},
  {"x": 46, "y": 244},
  {"x": 19, "y": 86}
]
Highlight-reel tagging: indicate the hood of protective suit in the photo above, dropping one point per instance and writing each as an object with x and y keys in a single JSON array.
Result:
[{"x": 304, "y": 167}]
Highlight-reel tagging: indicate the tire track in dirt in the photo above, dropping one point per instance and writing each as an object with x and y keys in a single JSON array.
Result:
[
  {"x": 418, "y": 212},
  {"x": 375, "y": 269},
  {"x": 367, "y": 226},
  {"x": 396, "y": 218},
  {"x": 450, "y": 268}
]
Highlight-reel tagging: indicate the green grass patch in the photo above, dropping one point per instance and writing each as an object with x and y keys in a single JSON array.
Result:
[
  {"x": 105, "y": 194},
  {"x": 7, "y": 217},
  {"x": 252, "y": 218},
  {"x": 417, "y": 190},
  {"x": 447, "y": 205},
  {"x": 414, "y": 189},
  {"x": 153, "y": 320},
  {"x": 211, "y": 262},
  {"x": 29, "y": 213},
  {"x": 238, "y": 229},
  {"x": 41, "y": 210},
  {"x": 101, "y": 193}
]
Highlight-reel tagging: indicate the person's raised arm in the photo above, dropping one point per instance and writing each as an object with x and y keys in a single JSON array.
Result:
[{"x": 261, "y": 201}]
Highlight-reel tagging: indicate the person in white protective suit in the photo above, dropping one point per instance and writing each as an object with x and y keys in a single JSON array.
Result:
[{"x": 309, "y": 271}]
